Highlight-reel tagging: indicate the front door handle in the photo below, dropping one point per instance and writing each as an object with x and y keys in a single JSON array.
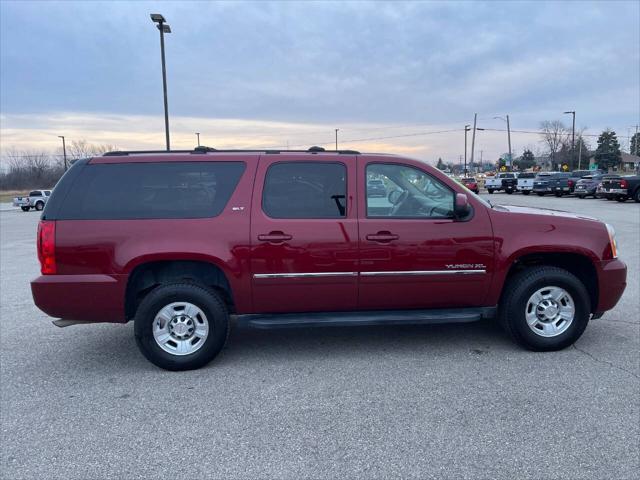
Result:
[
  {"x": 274, "y": 237},
  {"x": 382, "y": 237}
]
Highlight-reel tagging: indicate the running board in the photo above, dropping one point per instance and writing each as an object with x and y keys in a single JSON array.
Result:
[{"x": 351, "y": 319}]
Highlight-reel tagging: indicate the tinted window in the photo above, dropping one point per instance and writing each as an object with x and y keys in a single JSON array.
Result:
[
  {"x": 412, "y": 193},
  {"x": 527, "y": 175},
  {"x": 35, "y": 193},
  {"x": 305, "y": 190},
  {"x": 151, "y": 190}
]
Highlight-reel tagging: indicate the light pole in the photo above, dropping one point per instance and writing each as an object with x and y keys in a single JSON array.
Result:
[
  {"x": 198, "y": 135},
  {"x": 164, "y": 28},
  {"x": 573, "y": 137},
  {"x": 466, "y": 129},
  {"x": 337, "y": 139},
  {"x": 508, "y": 136},
  {"x": 64, "y": 152}
]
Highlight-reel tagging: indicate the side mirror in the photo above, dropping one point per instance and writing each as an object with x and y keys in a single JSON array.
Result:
[{"x": 461, "y": 208}]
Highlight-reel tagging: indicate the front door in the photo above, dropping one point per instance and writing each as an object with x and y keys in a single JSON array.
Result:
[
  {"x": 413, "y": 253},
  {"x": 304, "y": 234}
]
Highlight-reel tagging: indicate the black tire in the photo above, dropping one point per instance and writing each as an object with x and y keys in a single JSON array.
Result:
[
  {"x": 581, "y": 197},
  {"x": 526, "y": 192},
  {"x": 621, "y": 198},
  {"x": 636, "y": 197},
  {"x": 558, "y": 194},
  {"x": 516, "y": 295},
  {"x": 25, "y": 209},
  {"x": 509, "y": 191},
  {"x": 608, "y": 198},
  {"x": 39, "y": 206},
  {"x": 540, "y": 194},
  {"x": 490, "y": 191},
  {"x": 208, "y": 301}
]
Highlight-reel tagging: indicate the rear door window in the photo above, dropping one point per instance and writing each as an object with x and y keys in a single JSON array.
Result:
[
  {"x": 151, "y": 190},
  {"x": 305, "y": 190}
]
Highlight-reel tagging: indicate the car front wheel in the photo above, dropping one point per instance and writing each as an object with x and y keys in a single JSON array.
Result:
[
  {"x": 181, "y": 326},
  {"x": 545, "y": 308},
  {"x": 25, "y": 209},
  {"x": 39, "y": 206}
]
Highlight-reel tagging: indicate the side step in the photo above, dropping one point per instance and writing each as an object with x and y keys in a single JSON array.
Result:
[{"x": 350, "y": 319}]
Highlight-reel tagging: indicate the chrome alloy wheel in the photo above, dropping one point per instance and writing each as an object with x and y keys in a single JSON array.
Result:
[
  {"x": 550, "y": 311},
  {"x": 180, "y": 328}
]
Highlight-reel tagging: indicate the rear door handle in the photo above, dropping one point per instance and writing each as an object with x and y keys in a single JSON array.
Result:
[
  {"x": 274, "y": 237},
  {"x": 382, "y": 237}
]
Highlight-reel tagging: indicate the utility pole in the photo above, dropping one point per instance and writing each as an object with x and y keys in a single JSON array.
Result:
[
  {"x": 337, "y": 139},
  {"x": 580, "y": 154},
  {"x": 466, "y": 129},
  {"x": 509, "y": 140},
  {"x": 508, "y": 136},
  {"x": 198, "y": 135},
  {"x": 473, "y": 137},
  {"x": 64, "y": 152},
  {"x": 481, "y": 160},
  {"x": 164, "y": 28},
  {"x": 573, "y": 135}
]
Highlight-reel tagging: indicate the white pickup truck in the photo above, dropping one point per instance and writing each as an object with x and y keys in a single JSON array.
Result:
[
  {"x": 525, "y": 182},
  {"x": 36, "y": 199},
  {"x": 502, "y": 181}
]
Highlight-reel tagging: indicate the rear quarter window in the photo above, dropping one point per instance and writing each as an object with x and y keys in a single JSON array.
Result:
[{"x": 124, "y": 191}]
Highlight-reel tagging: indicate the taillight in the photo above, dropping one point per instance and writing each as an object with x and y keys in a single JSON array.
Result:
[
  {"x": 623, "y": 183},
  {"x": 47, "y": 247},
  {"x": 571, "y": 183}
]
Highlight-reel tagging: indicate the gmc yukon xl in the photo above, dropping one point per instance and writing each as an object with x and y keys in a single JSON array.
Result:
[{"x": 181, "y": 242}]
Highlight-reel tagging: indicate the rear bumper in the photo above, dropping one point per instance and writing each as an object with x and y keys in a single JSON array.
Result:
[
  {"x": 613, "y": 281},
  {"x": 90, "y": 298}
]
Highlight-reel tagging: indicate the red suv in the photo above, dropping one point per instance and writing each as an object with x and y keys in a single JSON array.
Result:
[{"x": 180, "y": 242}]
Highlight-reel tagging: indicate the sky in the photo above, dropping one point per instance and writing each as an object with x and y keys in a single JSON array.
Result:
[{"x": 399, "y": 77}]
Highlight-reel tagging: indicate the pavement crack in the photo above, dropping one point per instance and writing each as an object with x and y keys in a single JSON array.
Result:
[{"x": 604, "y": 362}]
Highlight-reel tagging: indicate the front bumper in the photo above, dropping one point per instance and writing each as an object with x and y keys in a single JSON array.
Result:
[
  {"x": 90, "y": 298},
  {"x": 612, "y": 283}
]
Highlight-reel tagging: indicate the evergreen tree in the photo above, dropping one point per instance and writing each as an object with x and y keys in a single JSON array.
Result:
[
  {"x": 608, "y": 151},
  {"x": 441, "y": 165},
  {"x": 527, "y": 160}
]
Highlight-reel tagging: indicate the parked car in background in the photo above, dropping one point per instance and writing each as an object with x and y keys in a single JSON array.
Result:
[
  {"x": 525, "y": 182},
  {"x": 622, "y": 188},
  {"x": 576, "y": 175},
  {"x": 588, "y": 185},
  {"x": 292, "y": 239},
  {"x": 376, "y": 188},
  {"x": 551, "y": 182},
  {"x": 506, "y": 181},
  {"x": 36, "y": 199},
  {"x": 471, "y": 183}
]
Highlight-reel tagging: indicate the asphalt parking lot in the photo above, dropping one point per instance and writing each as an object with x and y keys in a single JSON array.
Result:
[{"x": 457, "y": 401}]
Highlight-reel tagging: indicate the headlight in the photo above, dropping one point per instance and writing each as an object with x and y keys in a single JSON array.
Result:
[{"x": 612, "y": 241}]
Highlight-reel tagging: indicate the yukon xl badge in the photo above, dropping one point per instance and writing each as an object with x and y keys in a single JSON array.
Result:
[{"x": 465, "y": 266}]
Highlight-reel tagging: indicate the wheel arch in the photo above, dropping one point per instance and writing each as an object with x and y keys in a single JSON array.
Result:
[
  {"x": 579, "y": 264},
  {"x": 145, "y": 276}
]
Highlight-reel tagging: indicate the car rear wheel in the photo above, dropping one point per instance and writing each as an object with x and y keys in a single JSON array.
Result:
[
  {"x": 540, "y": 194},
  {"x": 25, "y": 209},
  {"x": 509, "y": 191},
  {"x": 558, "y": 194},
  {"x": 39, "y": 206},
  {"x": 545, "y": 308},
  {"x": 526, "y": 192},
  {"x": 621, "y": 198},
  {"x": 636, "y": 197},
  {"x": 181, "y": 326},
  {"x": 490, "y": 191}
]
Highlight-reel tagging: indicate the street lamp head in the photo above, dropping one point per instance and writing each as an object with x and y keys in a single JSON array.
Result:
[
  {"x": 164, "y": 27},
  {"x": 158, "y": 18},
  {"x": 60, "y": 136},
  {"x": 478, "y": 128},
  {"x": 570, "y": 111}
]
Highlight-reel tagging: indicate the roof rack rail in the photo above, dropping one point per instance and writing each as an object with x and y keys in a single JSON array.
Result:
[{"x": 203, "y": 149}]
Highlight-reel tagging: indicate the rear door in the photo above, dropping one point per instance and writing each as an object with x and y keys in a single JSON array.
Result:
[
  {"x": 412, "y": 253},
  {"x": 304, "y": 234}
]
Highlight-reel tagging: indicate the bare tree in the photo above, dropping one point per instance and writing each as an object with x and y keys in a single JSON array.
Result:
[{"x": 554, "y": 136}]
